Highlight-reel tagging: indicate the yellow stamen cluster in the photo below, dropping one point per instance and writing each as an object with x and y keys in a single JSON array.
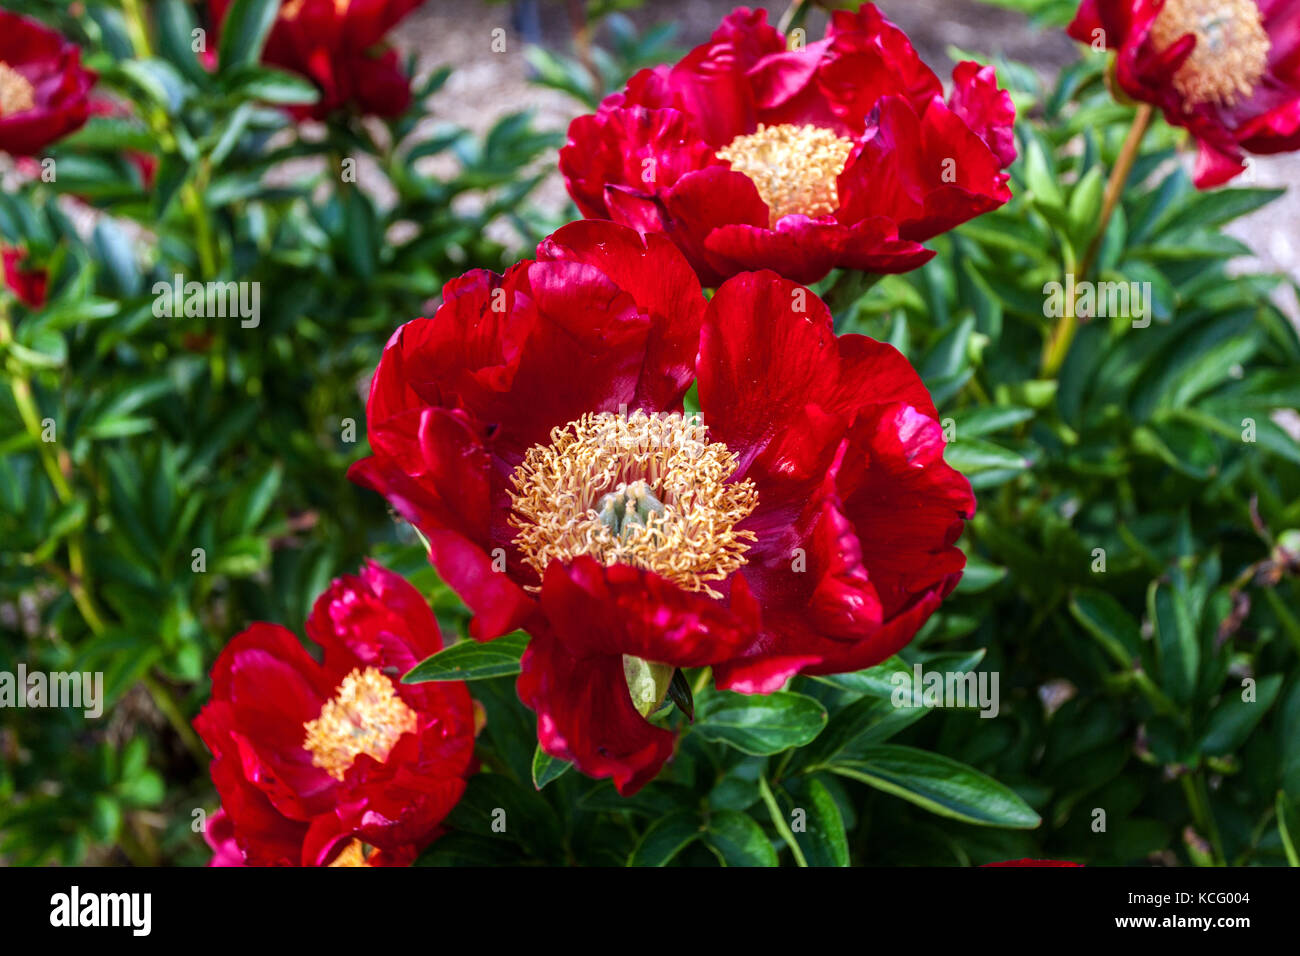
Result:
[
  {"x": 354, "y": 854},
  {"x": 1231, "y": 51},
  {"x": 794, "y": 168},
  {"x": 366, "y": 716},
  {"x": 667, "y": 478},
  {"x": 16, "y": 93}
]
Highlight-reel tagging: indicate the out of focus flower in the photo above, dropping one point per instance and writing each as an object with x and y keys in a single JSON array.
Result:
[
  {"x": 26, "y": 283},
  {"x": 43, "y": 86},
  {"x": 1033, "y": 863},
  {"x": 338, "y": 45},
  {"x": 1226, "y": 70}
]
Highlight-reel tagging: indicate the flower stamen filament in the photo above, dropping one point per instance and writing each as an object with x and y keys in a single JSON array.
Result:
[{"x": 16, "y": 92}]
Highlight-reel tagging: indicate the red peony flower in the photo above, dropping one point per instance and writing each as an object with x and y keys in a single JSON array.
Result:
[
  {"x": 337, "y": 44},
  {"x": 534, "y": 431},
  {"x": 27, "y": 284},
  {"x": 752, "y": 156},
  {"x": 1226, "y": 70},
  {"x": 43, "y": 86},
  {"x": 1028, "y": 862},
  {"x": 316, "y": 762}
]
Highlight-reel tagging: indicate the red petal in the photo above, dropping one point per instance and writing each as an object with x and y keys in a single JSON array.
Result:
[
  {"x": 663, "y": 285},
  {"x": 805, "y": 250},
  {"x": 987, "y": 110},
  {"x": 585, "y": 715},
  {"x": 595, "y": 610},
  {"x": 643, "y": 150},
  {"x": 905, "y": 501},
  {"x": 767, "y": 352}
]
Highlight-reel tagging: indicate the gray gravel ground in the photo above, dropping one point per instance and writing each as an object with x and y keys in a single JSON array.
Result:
[{"x": 485, "y": 85}]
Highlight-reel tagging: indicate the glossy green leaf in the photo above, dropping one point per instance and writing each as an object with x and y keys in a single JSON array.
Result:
[
  {"x": 759, "y": 724},
  {"x": 471, "y": 660},
  {"x": 940, "y": 785},
  {"x": 547, "y": 768}
]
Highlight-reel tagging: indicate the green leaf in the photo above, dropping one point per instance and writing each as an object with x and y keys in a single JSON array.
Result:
[
  {"x": 1113, "y": 627},
  {"x": 1040, "y": 178},
  {"x": 971, "y": 456},
  {"x": 260, "y": 497},
  {"x": 1288, "y": 731},
  {"x": 819, "y": 828},
  {"x": 940, "y": 785},
  {"x": 866, "y": 721},
  {"x": 1178, "y": 650},
  {"x": 1232, "y": 721},
  {"x": 986, "y": 420},
  {"x": 1216, "y": 207},
  {"x": 175, "y": 26},
  {"x": 737, "y": 840},
  {"x": 114, "y": 249},
  {"x": 273, "y": 86},
  {"x": 1181, "y": 446},
  {"x": 1085, "y": 205},
  {"x": 359, "y": 240},
  {"x": 979, "y": 575},
  {"x": 1288, "y": 829},
  {"x": 471, "y": 660},
  {"x": 469, "y": 849},
  {"x": 667, "y": 837},
  {"x": 890, "y": 675},
  {"x": 760, "y": 724},
  {"x": 496, "y": 806},
  {"x": 244, "y": 556},
  {"x": 547, "y": 768},
  {"x": 948, "y": 356},
  {"x": 244, "y": 32}
]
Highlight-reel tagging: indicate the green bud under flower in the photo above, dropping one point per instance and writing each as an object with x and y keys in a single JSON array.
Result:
[{"x": 647, "y": 682}]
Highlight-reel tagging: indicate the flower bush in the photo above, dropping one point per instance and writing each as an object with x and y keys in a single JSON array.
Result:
[{"x": 865, "y": 468}]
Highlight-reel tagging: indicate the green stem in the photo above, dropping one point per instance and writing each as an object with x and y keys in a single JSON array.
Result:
[
  {"x": 778, "y": 820},
  {"x": 794, "y": 16},
  {"x": 31, "y": 416},
  {"x": 192, "y": 199},
  {"x": 166, "y": 703},
  {"x": 1198, "y": 802},
  {"x": 1058, "y": 344},
  {"x": 137, "y": 27},
  {"x": 701, "y": 681},
  {"x": 130, "y": 845}
]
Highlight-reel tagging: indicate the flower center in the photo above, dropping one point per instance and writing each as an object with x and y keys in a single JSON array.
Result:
[
  {"x": 646, "y": 490},
  {"x": 365, "y": 717},
  {"x": 16, "y": 93},
  {"x": 793, "y": 167},
  {"x": 354, "y": 854},
  {"x": 1231, "y": 51}
]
